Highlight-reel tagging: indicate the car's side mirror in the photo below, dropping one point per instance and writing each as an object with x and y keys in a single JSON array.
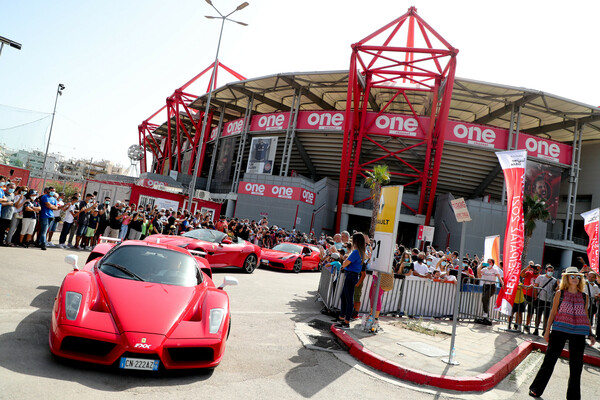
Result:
[
  {"x": 72, "y": 259},
  {"x": 229, "y": 281},
  {"x": 227, "y": 241}
]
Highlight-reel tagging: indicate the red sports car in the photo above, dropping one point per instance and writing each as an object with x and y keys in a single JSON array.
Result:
[
  {"x": 292, "y": 256},
  {"x": 141, "y": 305},
  {"x": 221, "y": 251}
]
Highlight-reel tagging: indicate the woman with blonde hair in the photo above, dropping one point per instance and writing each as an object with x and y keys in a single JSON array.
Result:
[{"x": 569, "y": 321}]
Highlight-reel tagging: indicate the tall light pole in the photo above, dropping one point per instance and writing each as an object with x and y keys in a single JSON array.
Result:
[
  {"x": 210, "y": 90},
  {"x": 61, "y": 87},
  {"x": 8, "y": 42}
]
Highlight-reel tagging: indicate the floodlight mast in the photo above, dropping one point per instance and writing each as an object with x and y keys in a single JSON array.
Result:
[{"x": 192, "y": 187}]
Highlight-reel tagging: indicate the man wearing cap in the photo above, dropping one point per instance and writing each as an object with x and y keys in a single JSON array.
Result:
[{"x": 546, "y": 287}]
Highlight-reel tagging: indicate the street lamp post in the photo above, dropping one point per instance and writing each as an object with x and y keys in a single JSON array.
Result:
[
  {"x": 210, "y": 90},
  {"x": 61, "y": 87}
]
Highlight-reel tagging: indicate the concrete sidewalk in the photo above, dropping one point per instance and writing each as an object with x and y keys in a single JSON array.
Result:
[{"x": 413, "y": 350}]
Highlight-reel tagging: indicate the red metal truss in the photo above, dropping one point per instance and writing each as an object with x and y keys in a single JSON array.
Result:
[
  {"x": 381, "y": 63},
  {"x": 180, "y": 135}
]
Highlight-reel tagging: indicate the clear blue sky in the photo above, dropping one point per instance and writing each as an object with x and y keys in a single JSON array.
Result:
[{"x": 119, "y": 60}]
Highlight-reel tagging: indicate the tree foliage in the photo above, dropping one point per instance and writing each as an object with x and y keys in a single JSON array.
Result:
[{"x": 374, "y": 181}]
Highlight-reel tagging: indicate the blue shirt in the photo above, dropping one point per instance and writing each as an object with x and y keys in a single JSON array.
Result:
[
  {"x": 355, "y": 262},
  {"x": 46, "y": 212}
]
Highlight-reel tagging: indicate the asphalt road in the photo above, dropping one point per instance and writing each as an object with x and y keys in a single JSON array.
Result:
[{"x": 264, "y": 358}]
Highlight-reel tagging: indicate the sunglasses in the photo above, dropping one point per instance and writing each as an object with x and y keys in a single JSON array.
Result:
[{"x": 575, "y": 276}]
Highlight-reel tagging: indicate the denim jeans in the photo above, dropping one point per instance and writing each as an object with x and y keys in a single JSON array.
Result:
[
  {"x": 65, "y": 232},
  {"x": 44, "y": 225},
  {"x": 348, "y": 295}
]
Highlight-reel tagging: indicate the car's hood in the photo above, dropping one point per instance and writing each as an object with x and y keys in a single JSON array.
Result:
[
  {"x": 270, "y": 253},
  {"x": 146, "y": 307}
]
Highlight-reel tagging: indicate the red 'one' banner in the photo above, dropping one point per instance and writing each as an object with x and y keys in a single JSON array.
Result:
[
  {"x": 513, "y": 165},
  {"x": 590, "y": 220}
]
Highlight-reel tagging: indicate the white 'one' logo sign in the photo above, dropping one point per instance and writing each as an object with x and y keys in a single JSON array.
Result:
[
  {"x": 282, "y": 191},
  {"x": 235, "y": 127},
  {"x": 255, "y": 188},
  {"x": 542, "y": 148},
  {"x": 271, "y": 121},
  {"x": 326, "y": 120},
  {"x": 308, "y": 197},
  {"x": 397, "y": 124},
  {"x": 475, "y": 135}
]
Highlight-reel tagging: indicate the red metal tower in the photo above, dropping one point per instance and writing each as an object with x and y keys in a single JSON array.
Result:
[
  {"x": 169, "y": 153},
  {"x": 378, "y": 64}
]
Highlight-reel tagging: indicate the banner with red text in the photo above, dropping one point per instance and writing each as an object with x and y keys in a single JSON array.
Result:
[
  {"x": 590, "y": 221},
  {"x": 513, "y": 165}
]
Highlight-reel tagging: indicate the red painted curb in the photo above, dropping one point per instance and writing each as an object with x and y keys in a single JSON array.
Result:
[{"x": 478, "y": 383}]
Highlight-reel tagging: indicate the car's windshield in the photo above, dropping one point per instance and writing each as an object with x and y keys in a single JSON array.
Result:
[
  {"x": 288, "y": 248},
  {"x": 151, "y": 264},
  {"x": 208, "y": 235}
]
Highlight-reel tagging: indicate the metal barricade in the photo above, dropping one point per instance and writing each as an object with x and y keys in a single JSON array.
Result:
[{"x": 427, "y": 298}]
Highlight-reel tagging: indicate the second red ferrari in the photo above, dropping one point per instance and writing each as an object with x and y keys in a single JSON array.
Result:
[
  {"x": 292, "y": 256},
  {"x": 221, "y": 250}
]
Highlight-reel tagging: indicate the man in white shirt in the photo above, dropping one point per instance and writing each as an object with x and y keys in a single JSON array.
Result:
[
  {"x": 420, "y": 269},
  {"x": 593, "y": 291},
  {"x": 70, "y": 215},
  {"x": 547, "y": 287}
]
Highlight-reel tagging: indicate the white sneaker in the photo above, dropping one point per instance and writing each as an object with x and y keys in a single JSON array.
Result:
[{"x": 62, "y": 246}]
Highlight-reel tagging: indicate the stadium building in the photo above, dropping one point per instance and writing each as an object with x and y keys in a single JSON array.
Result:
[{"x": 295, "y": 146}]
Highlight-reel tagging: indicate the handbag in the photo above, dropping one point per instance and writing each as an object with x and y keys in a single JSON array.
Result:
[{"x": 387, "y": 282}]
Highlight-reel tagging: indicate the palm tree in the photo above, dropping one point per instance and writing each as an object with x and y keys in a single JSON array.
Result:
[
  {"x": 375, "y": 179},
  {"x": 534, "y": 209}
]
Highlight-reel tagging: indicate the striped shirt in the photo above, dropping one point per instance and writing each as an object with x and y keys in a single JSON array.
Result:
[{"x": 571, "y": 316}]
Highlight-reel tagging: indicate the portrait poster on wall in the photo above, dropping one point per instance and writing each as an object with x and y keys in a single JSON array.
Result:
[
  {"x": 544, "y": 181},
  {"x": 223, "y": 166},
  {"x": 262, "y": 155}
]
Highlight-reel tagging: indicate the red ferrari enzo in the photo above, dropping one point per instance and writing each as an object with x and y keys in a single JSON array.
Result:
[
  {"x": 292, "y": 256},
  {"x": 221, "y": 251},
  {"x": 142, "y": 306}
]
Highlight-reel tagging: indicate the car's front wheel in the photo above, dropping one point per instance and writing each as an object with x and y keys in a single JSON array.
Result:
[
  {"x": 250, "y": 263},
  {"x": 297, "y": 265}
]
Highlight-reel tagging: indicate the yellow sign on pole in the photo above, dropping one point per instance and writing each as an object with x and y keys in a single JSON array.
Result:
[{"x": 386, "y": 228}]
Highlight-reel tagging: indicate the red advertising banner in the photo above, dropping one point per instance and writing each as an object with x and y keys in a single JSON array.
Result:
[
  {"x": 213, "y": 134},
  {"x": 590, "y": 220},
  {"x": 513, "y": 165},
  {"x": 320, "y": 120},
  {"x": 270, "y": 122},
  {"x": 277, "y": 191},
  {"x": 477, "y": 135},
  {"x": 18, "y": 176},
  {"x": 234, "y": 127},
  {"x": 546, "y": 149},
  {"x": 397, "y": 124}
]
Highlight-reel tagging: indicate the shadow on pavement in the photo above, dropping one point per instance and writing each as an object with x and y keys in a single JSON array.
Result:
[
  {"x": 310, "y": 376},
  {"x": 26, "y": 351}
]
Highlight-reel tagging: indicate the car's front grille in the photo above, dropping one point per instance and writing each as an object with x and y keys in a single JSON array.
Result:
[
  {"x": 187, "y": 354},
  {"x": 276, "y": 264},
  {"x": 86, "y": 346}
]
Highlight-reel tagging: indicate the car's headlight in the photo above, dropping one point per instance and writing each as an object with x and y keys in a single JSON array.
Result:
[
  {"x": 72, "y": 303},
  {"x": 215, "y": 319}
]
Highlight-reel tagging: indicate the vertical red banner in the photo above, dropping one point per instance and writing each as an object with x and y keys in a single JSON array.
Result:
[
  {"x": 513, "y": 165},
  {"x": 590, "y": 220}
]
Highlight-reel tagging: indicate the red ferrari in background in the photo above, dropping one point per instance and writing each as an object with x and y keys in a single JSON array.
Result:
[
  {"x": 292, "y": 256},
  {"x": 141, "y": 305},
  {"x": 221, "y": 251}
]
